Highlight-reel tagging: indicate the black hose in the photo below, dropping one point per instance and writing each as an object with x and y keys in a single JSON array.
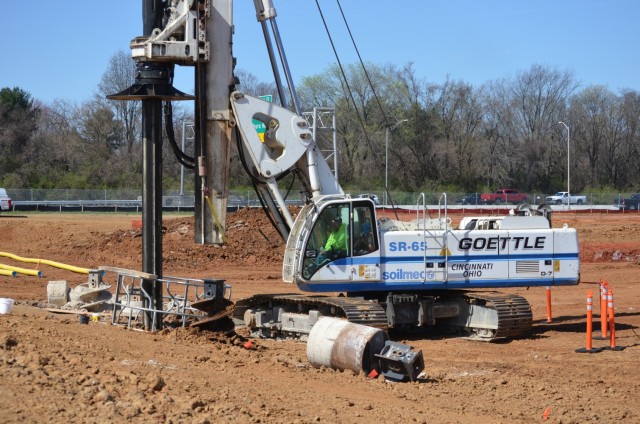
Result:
[{"x": 184, "y": 159}]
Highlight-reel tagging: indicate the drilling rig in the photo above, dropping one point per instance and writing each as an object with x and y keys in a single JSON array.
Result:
[{"x": 390, "y": 274}]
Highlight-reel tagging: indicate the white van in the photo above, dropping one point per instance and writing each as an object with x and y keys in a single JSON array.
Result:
[{"x": 5, "y": 200}]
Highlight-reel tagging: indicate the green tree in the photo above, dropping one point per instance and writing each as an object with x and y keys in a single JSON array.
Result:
[{"x": 18, "y": 116}]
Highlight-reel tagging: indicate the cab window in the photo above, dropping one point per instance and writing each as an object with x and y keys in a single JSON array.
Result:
[
  {"x": 365, "y": 238},
  {"x": 330, "y": 238}
]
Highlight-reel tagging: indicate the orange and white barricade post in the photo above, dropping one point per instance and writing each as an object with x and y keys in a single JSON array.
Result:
[
  {"x": 589, "y": 344},
  {"x": 548, "y": 290},
  {"x": 612, "y": 324},
  {"x": 604, "y": 320}
]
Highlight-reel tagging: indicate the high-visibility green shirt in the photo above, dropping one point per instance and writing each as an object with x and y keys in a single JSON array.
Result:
[{"x": 338, "y": 239}]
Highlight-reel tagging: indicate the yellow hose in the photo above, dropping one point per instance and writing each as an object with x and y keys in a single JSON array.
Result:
[
  {"x": 7, "y": 272},
  {"x": 24, "y": 271},
  {"x": 215, "y": 217},
  {"x": 47, "y": 262}
]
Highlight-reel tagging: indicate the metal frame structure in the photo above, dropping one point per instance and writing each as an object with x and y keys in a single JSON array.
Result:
[
  {"x": 179, "y": 294},
  {"x": 322, "y": 120}
]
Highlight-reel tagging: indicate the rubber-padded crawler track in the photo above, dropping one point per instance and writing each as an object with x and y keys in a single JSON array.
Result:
[
  {"x": 354, "y": 310},
  {"x": 514, "y": 312}
]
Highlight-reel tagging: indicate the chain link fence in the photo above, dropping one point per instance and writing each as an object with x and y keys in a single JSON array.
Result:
[{"x": 240, "y": 198}]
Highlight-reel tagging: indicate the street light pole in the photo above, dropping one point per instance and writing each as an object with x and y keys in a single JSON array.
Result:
[
  {"x": 568, "y": 173},
  {"x": 386, "y": 157}
]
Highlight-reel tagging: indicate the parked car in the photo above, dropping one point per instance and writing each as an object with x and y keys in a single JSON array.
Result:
[
  {"x": 5, "y": 200},
  {"x": 630, "y": 204},
  {"x": 373, "y": 197},
  {"x": 236, "y": 200},
  {"x": 470, "y": 199}
]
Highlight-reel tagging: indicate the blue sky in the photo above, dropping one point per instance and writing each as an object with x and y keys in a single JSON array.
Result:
[{"x": 59, "y": 50}]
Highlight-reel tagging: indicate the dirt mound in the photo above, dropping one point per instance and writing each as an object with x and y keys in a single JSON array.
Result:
[{"x": 249, "y": 240}]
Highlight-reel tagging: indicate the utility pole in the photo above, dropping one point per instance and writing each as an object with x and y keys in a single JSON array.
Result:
[{"x": 568, "y": 173}]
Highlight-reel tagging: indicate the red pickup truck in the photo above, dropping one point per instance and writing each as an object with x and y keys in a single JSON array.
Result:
[{"x": 503, "y": 195}]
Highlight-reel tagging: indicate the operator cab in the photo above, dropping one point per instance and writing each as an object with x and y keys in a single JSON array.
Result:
[{"x": 340, "y": 236}]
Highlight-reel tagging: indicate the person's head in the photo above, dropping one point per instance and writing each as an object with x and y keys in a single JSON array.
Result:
[{"x": 335, "y": 223}]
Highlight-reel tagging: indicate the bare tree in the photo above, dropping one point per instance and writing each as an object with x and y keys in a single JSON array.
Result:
[
  {"x": 461, "y": 118},
  {"x": 250, "y": 84},
  {"x": 330, "y": 90},
  {"x": 591, "y": 112},
  {"x": 101, "y": 135},
  {"x": 498, "y": 149},
  {"x": 55, "y": 152},
  {"x": 523, "y": 116},
  {"x": 630, "y": 158},
  {"x": 120, "y": 74}
]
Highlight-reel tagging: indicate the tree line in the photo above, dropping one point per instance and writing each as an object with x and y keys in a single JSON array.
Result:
[{"x": 448, "y": 136}]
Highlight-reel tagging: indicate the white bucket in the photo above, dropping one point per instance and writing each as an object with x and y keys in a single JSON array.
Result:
[{"x": 6, "y": 305}]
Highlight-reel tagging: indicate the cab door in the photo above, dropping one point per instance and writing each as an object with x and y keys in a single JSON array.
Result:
[
  {"x": 365, "y": 247},
  {"x": 322, "y": 263},
  {"x": 358, "y": 258}
]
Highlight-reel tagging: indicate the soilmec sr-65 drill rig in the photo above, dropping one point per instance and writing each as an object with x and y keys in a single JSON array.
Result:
[{"x": 391, "y": 274}]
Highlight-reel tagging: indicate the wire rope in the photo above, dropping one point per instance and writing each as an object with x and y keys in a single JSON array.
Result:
[
  {"x": 346, "y": 82},
  {"x": 364, "y": 68}
]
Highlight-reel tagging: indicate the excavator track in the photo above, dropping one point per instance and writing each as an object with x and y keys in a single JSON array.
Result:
[
  {"x": 513, "y": 314},
  {"x": 355, "y": 310},
  {"x": 484, "y": 316}
]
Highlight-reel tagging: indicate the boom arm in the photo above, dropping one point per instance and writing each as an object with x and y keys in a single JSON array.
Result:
[{"x": 288, "y": 146}]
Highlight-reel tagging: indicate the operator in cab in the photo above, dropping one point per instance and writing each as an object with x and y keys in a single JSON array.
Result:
[{"x": 336, "y": 245}]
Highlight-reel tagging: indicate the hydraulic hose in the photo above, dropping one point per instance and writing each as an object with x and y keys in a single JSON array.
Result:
[
  {"x": 46, "y": 262},
  {"x": 19, "y": 270},
  {"x": 182, "y": 157}
]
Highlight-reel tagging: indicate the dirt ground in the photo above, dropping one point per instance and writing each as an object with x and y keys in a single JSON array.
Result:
[{"x": 54, "y": 369}]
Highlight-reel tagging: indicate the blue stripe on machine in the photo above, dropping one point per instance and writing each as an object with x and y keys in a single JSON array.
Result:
[
  {"x": 420, "y": 286},
  {"x": 372, "y": 260},
  {"x": 464, "y": 258}
]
